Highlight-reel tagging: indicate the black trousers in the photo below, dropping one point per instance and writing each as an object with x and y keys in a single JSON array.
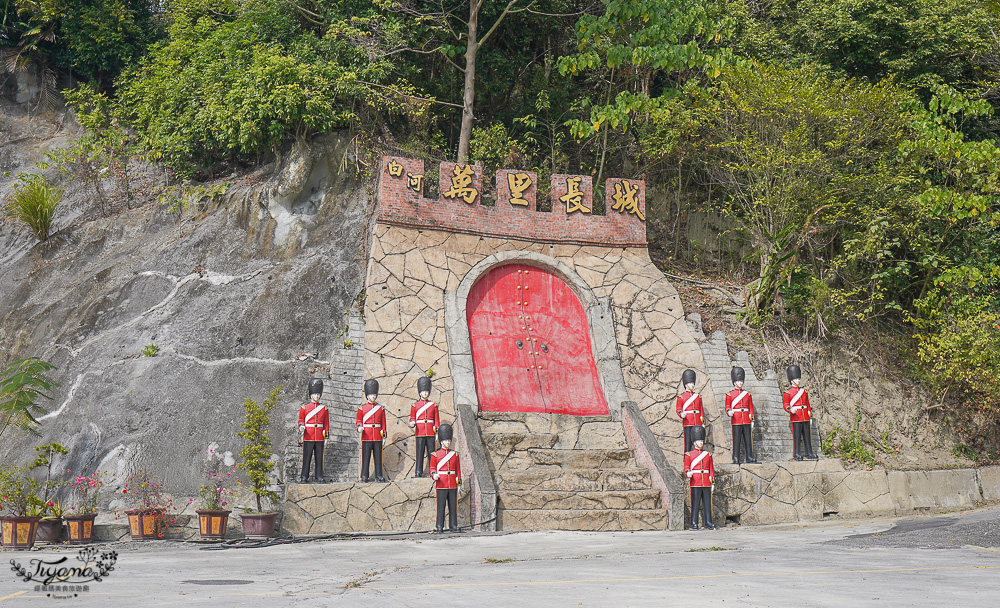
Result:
[
  {"x": 701, "y": 499},
  {"x": 742, "y": 438},
  {"x": 802, "y": 434},
  {"x": 424, "y": 444},
  {"x": 450, "y": 497},
  {"x": 369, "y": 449},
  {"x": 688, "y": 441},
  {"x": 312, "y": 450}
]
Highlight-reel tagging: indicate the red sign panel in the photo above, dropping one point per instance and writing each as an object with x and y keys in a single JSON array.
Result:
[{"x": 531, "y": 345}]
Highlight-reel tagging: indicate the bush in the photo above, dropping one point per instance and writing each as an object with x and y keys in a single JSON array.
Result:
[
  {"x": 33, "y": 205},
  {"x": 256, "y": 455}
]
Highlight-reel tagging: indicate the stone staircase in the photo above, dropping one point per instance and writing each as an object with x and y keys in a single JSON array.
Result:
[{"x": 568, "y": 473}]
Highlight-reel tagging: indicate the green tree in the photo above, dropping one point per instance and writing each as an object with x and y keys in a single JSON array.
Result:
[
  {"x": 634, "y": 52},
  {"x": 256, "y": 456}
]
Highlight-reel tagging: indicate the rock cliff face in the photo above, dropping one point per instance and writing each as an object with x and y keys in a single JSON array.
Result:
[{"x": 241, "y": 293}]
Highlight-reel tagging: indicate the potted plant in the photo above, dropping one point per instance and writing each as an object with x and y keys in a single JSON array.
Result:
[
  {"x": 148, "y": 518},
  {"x": 256, "y": 458},
  {"x": 80, "y": 519},
  {"x": 51, "y": 509},
  {"x": 19, "y": 498},
  {"x": 216, "y": 495}
]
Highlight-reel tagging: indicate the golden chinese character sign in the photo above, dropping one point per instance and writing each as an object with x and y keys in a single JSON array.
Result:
[
  {"x": 460, "y": 182},
  {"x": 573, "y": 194},
  {"x": 517, "y": 188},
  {"x": 626, "y": 196}
]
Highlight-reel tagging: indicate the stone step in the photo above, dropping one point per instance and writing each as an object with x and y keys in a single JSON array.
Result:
[
  {"x": 553, "y": 500},
  {"x": 506, "y": 442},
  {"x": 584, "y": 519},
  {"x": 572, "y": 459},
  {"x": 574, "y": 480}
]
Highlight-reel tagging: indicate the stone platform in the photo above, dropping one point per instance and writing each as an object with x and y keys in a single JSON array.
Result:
[{"x": 404, "y": 505}]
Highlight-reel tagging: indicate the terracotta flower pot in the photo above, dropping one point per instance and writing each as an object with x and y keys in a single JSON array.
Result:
[
  {"x": 80, "y": 528},
  {"x": 146, "y": 524},
  {"x": 49, "y": 530},
  {"x": 213, "y": 523},
  {"x": 18, "y": 532},
  {"x": 258, "y": 526}
]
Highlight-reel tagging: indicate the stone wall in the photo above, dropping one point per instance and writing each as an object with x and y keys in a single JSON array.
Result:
[
  {"x": 404, "y": 504},
  {"x": 806, "y": 491},
  {"x": 411, "y": 271}
]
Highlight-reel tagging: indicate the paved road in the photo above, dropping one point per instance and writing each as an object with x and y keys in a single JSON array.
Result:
[{"x": 916, "y": 561}]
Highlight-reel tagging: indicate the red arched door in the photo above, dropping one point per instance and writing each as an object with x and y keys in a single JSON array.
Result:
[{"x": 531, "y": 345}]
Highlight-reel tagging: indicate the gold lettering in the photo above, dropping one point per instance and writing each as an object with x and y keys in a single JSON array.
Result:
[
  {"x": 574, "y": 196},
  {"x": 395, "y": 169},
  {"x": 415, "y": 182},
  {"x": 519, "y": 183},
  {"x": 461, "y": 184},
  {"x": 625, "y": 198}
]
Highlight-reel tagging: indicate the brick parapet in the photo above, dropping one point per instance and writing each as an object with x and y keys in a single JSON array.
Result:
[{"x": 401, "y": 203}]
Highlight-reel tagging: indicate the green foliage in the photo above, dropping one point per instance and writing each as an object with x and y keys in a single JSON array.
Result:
[
  {"x": 963, "y": 451},
  {"x": 348, "y": 343},
  {"x": 850, "y": 444},
  {"x": 44, "y": 459},
  {"x": 150, "y": 350},
  {"x": 256, "y": 456},
  {"x": 636, "y": 42},
  {"x": 236, "y": 79},
  {"x": 922, "y": 42},
  {"x": 19, "y": 492},
  {"x": 22, "y": 383},
  {"x": 33, "y": 204},
  {"x": 494, "y": 148},
  {"x": 93, "y": 38}
]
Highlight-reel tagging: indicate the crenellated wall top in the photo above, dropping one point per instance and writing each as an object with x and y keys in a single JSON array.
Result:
[{"x": 515, "y": 213}]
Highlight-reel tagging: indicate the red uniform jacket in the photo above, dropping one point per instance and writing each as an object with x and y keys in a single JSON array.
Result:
[
  {"x": 424, "y": 418},
  {"x": 316, "y": 419},
  {"x": 701, "y": 463},
  {"x": 446, "y": 469},
  {"x": 741, "y": 410},
  {"x": 371, "y": 422},
  {"x": 691, "y": 411},
  {"x": 800, "y": 409}
]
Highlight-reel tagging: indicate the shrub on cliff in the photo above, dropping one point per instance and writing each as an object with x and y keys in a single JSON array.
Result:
[{"x": 33, "y": 205}]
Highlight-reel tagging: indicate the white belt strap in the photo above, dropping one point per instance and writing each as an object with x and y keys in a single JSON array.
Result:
[
  {"x": 315, "y": 411},
  {"x": 444, "y": 460},
  {"x": 741, "y": 409},
  {"x": 424, "y": 421},
  {"x": 684, "y": 408},
  {"x": 797, "y": 397},
  {"x": 371, "y": 413},
  {"x": 372, "y": 426},
  {"x": 698, "y": 459},
  {"x": 702, "y": 471},
  {"x": 421, "y": 411},
  {"x": 315, "y": 426},
  {"x": 738, "y": 398}
]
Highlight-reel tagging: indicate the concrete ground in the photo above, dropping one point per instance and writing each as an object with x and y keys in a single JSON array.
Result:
[{"x": 911, "y": 561}]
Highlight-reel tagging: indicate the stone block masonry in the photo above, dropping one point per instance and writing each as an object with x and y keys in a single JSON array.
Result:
[{"x": 460, "y": 209}]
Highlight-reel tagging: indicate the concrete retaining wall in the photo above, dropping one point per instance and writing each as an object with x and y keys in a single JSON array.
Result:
[{"x": 803, "y": 491}]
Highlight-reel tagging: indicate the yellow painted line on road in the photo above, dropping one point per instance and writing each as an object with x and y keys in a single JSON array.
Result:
[
  {"x": 983, "y": 548},
  {"x": 674, "y": 578},
  {"x": 12, "y": 595}
]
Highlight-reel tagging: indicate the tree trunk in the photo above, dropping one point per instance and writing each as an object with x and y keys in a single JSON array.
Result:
[{"x": 470, "y": 84}]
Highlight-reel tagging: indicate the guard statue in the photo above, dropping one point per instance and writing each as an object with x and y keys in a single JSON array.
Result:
[
  {"x": 371, "y": 425},
  {"x": 447, "y": 474},
  {"x": 689, "y": 407},
  {"x": 700, "y": 469},
  {"x": 314, "y": 424},
  {"x": 796, "y": 403},
  {"x": 739, "y": 408},
  {"x": 424, "y": 418}
]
